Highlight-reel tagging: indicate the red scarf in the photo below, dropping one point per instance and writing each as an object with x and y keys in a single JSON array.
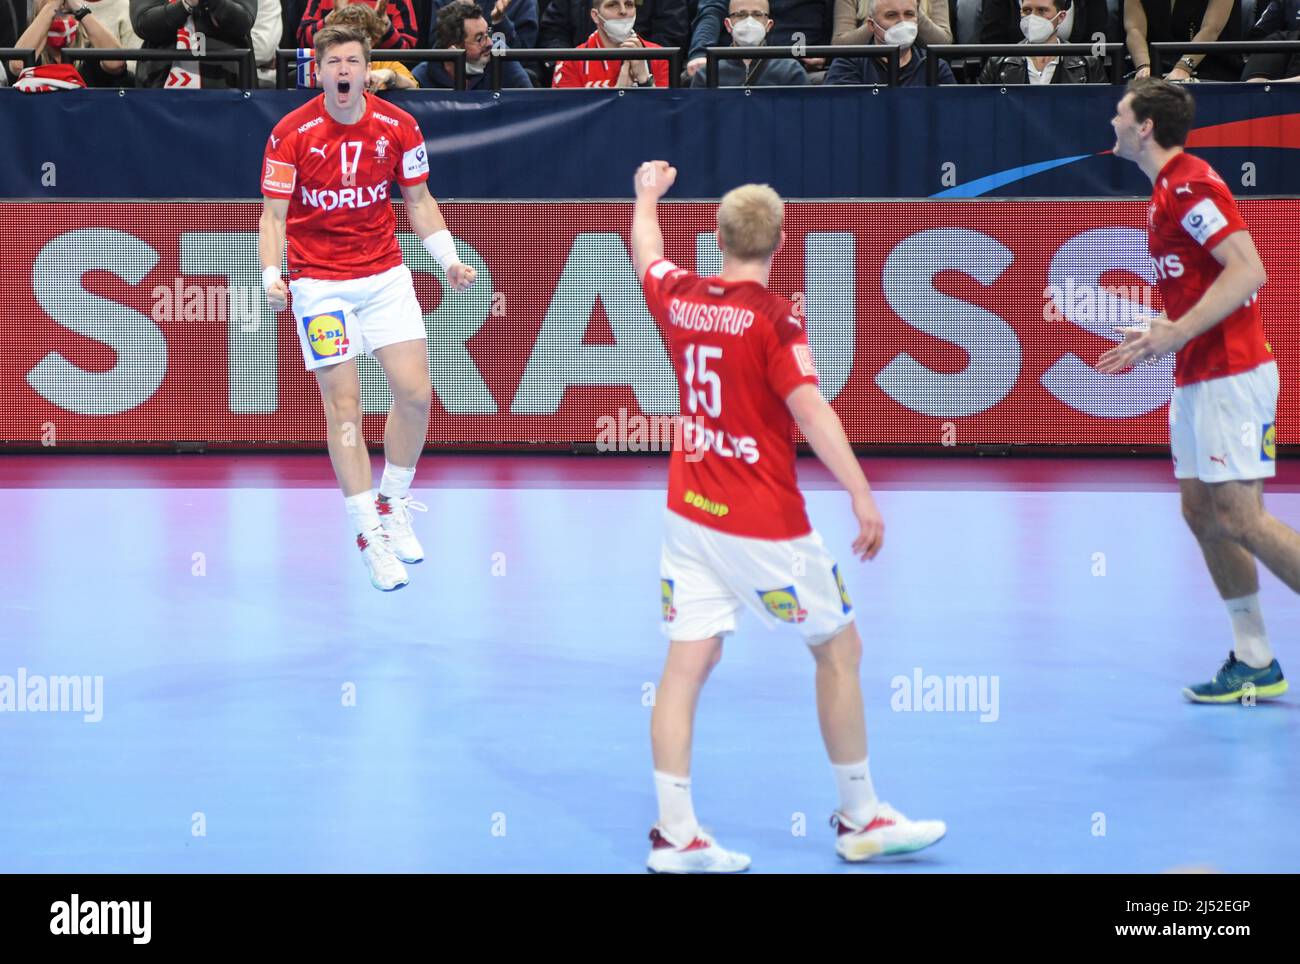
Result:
[{"x": 185, "y": 73}]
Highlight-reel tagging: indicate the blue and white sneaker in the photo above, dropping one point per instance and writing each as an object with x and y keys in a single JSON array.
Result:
[{"x": 1235, "y": 682}]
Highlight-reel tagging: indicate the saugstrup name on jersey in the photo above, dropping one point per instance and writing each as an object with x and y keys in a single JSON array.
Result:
[
  {"x": 697, "y": 438},
  {"x": 697, "y": 317},
  {"x": 348, "y": 197}
]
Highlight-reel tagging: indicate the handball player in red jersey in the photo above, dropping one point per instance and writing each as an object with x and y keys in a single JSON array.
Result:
[
  {"x": 736, "y": 534},
  {"x": 1222, "y": 415},
  {"x": 326, "y": 177}
]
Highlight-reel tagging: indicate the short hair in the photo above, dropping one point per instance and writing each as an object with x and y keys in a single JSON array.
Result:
[
  {"x": 361, "y": 17},
  {"x": 450, "y": 26},
  {"x": 1169, "y": 107},
  {"x": 328, "y": 37},
  {"x": 867, "y": 9},
  {"x": 749, "y": 222}
]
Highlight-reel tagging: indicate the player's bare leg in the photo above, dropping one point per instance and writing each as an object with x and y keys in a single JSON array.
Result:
[
  {"x": 679, "y": 845},
  {"x": 866, "y": 827},
  {"x": 406, "y": 363},
  {"x": 1229, "y": 522},
  {"x": 1231, "y": 566},
  {"x": 340, "y": 393},
  {"x": 839, "y": 696}
]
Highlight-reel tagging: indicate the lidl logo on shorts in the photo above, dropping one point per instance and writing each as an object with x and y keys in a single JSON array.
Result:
[
  {"x": 844, "y": 593},
  {"x": 327, "y": 334},
  {"x": 1268, "y": 449},
  {"x": 783, "y": 604},
  {"x": 666, "y": 592}
]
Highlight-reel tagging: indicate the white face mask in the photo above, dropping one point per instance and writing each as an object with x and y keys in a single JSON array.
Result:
[
  {"x": 473, "y": 68},
  {"x": 620, "y": 29},
  {"x": 903, "y": 34},
  {"x": 748, "y": 32},
  {"x": 1037, "y": 30}
]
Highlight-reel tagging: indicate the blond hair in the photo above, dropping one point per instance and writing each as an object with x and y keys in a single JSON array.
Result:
[{"x": 749, "y": 222}]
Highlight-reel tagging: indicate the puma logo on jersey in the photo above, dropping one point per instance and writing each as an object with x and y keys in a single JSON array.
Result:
[
  {"x": 317, "y": 150},
  {"x": 275, "y": 142},
  {"x": 1183, "y": 189}
]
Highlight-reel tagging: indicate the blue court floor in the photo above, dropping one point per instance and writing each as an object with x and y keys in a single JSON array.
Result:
[{"x": 264, "y": 709}]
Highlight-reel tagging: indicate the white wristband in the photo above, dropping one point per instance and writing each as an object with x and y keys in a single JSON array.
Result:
[
  {"x": 269, "y": 277},
  {"x": 443, "y": 248}
]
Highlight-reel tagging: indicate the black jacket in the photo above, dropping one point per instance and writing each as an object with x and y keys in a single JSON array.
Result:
[
  {"x": 568, "y": 23},
  {"x": 1069, "y": 70},
  {"x": 227, "y": 25}
]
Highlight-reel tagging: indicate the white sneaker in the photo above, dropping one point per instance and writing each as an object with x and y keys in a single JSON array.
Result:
[
  {"x": 386, "y": 572},
  {"x": 395, "y": 517},
  {"x": 888, "y": 833},
  {"x": 702, "y": 855}
]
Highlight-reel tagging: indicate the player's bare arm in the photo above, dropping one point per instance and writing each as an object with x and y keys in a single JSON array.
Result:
[
  {"x": 1243, "y": 274},
  {"x": 652, "y": 181},
  {"x": 428, "y": 224},
  {"x": 824, "y": 432},
  {"x": 270, "y": 250}
]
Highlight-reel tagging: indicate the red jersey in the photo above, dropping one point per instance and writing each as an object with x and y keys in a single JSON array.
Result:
[
  {"x": 1191, "y": 212},
  {"x": 603, "y": 73},
  {"x": 341, "y": 223},
  {"x": 739, "y": 351}
]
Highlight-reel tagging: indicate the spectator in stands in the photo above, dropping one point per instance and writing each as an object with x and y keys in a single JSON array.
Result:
[
  {"x": 1202, "y": 21},
  {"x": 116, "y": 16},
  {"x": 892, "y": 22},
  {"x": 1000, "y": 21},
  {"x": 398, "y": 17},
  {"x": 1039, "y": 23},
  {"x": 266, "y": 39},
  {"x": 383, "y": 74},
  {"x": 515, "y": 20},
  {"x": 806, "y": 21},
  {"x": 615, "y": 27},
  {"x": 850, "y": 26},
  {"x": 749, "y": 24},
  {"x": 8, "y": 27},
  {"x": 463, "y": 26},
  {"x": 664, "y": 23},
  {"x": 1279, "y": 21},
  {"x": 211, "y": 25},
  {"x": 58, "y": 27}
]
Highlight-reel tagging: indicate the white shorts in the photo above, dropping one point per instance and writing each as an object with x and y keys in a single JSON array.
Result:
[
  {"x": 706, "y": 577},
  {"x": 1222, "y": 430},
  {"x": 338, "y": 320}
]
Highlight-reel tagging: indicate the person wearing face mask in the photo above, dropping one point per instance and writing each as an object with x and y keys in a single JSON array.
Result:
[
  {"x": 892, "y": 22},
  {"x": 615, "y": 22},
  {"x": 806, "y": 22},
  {"x": 932, "y": 22},
  {"x": 1000, "y": 22},
  {"x": 462, "y": 26},
  {"x": 58, "y": 27},
  {"x": 749, "y": 24},
  {"x": 1041, "y": 22}
]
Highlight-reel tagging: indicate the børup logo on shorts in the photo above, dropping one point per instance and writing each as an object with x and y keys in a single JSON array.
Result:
[
  {"x": 783, "y": 604},
  {"x": 327, "y": 334},
  {"x": 844, "y": 593},
  {"x": 1268, "y": 447},
  {"x": 666, "y": 593}
]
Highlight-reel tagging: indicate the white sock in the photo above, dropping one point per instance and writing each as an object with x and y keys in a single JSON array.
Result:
[
  {"x": 676, "y": 814},
  {"x": 857, "y": 796},
  {"x": 362, "y": 512},
  {"x": 396, "y": 483},
  {"x": 1251, "y": 644}
]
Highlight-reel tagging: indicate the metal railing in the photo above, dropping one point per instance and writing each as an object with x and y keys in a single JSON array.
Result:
[
  {"x": 671, "y": 54},
  {"x": 455, "y": 57},
  {"x": 242, "y": 57},
  {"x": 888, "y": 52},
  {"x": 1218, "y": 47},
  {"x": 26, "y": 54}
]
